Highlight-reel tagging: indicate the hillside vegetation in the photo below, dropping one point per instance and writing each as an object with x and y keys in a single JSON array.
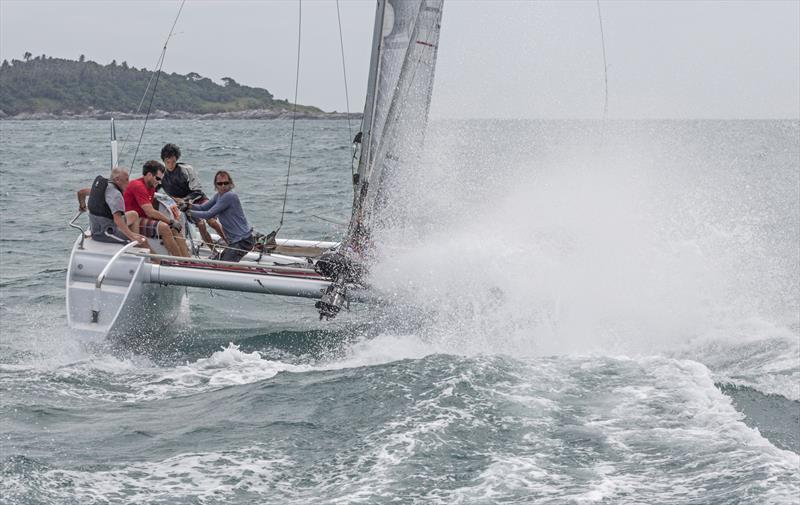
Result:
[{"x": 68, "y": 87}]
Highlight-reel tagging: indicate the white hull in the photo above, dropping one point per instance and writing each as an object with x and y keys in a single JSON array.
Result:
[{"x": 136, "y": 297}]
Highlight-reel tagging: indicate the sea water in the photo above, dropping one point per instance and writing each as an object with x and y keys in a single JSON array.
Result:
[{"x": 571, "y": 312}]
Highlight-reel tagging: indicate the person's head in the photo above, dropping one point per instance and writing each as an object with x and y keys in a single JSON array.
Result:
[
  {"x": 223, "y": 181},
  {"x": 119, "y": 176},
  {"x": 152, "y": 171},
  {"x": 170, "y": 154}
]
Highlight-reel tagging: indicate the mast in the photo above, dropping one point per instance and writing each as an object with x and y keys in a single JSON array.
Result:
[
  {"x": 404, "y": 48},
  {"x": 369, "y": 105},
  {"x": 360, "y": 179},
  {"x": 404, "y": 45},
  {"x": 114, "y": 154}
]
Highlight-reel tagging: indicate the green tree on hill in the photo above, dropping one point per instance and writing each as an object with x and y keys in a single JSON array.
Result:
[{"x": 61, "y": 86}]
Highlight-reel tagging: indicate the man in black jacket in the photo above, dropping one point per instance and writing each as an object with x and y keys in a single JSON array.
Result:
[{"x": 181, "y": 183}]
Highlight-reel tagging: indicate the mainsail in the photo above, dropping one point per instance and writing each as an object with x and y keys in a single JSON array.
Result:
[{"x": 404, "y": 46}]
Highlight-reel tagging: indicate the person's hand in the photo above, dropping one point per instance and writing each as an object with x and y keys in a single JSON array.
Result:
[
  {"x": 183, "y": 206},
  {"x": 140, "y": 239},
  {"x": 175, "y": 225},
  {"x": 81, "y": 207}
]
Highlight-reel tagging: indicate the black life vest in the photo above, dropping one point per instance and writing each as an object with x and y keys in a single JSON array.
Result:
[
  {"x": 176, "y": 184},
  {"x": 97, "y": 198}
]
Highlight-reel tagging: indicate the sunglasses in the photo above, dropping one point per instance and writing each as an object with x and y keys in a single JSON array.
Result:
[
  {"x": 223, "y": 183},
  {"x": 157, "y": 177}
]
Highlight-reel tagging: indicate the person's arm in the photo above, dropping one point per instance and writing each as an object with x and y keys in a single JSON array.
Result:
[
  {"x": 122, "y": 225},
  {"x": 82, "y": 194},
  {"x": 152, "y": 213},
  {"x": 220, "y": 204},
  {"x": 145, "y": 201},
  {"x": 207, "y": 204},
  {"x": 195, "y": 188}
]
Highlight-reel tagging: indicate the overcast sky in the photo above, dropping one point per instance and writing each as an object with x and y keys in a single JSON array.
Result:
[{"x": 508, "y": 59}]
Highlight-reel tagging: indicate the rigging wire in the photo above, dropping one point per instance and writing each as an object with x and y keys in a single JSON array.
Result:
[
  {"x": 141, "y": 102},
  {"x": 605, "y": 63},
  {"x": 155, "y": 85},
  {"x": 294, "y": 114},
  {"x": 328, "y": 220},
  {"x": 344, "y": 74}
]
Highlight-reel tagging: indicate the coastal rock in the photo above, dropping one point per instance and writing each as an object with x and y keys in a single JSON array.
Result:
[{"x": 92, "y": 113}]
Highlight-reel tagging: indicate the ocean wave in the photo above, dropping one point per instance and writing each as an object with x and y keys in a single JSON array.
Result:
[
  {"x": 440, "y": 428},
  {"x": 751, "y": 353}
]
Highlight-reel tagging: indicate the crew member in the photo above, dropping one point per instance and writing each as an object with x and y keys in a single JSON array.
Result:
[
  {"x": 108, "y": 220},
  {"x": 180, "y": 181},
  {"x": 225, "y": 204},
  {"x": 140, "y": 197}
]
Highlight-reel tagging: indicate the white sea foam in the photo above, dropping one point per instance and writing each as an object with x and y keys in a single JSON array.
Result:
[
  {"x": 104, "y": 377},
  {"x": 752, "y": 353},
  {"x": 664, "y": 434},
  {"x": 205, "y": 477},
  {"x": 232, "y": 366},
  {"x": 227, "y": 367},
  {"x": 385, "y": 348}
]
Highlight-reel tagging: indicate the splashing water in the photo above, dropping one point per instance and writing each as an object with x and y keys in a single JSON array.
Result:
[{"x": 549, "y": 243}]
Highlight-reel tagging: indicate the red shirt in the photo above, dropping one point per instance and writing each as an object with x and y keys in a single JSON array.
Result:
[{"x": 137, "y": 194}]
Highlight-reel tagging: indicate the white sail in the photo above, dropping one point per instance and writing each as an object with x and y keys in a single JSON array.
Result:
[{"x": 405, "y": 44}]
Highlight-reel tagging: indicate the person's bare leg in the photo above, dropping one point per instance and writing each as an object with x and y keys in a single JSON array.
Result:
[
  {"x": 165, "y": 232},
  {"x": 180, "y": 240},
  {"x": 132, "y": 219},
  {"x": 203, "y": 229},
  {"x": 218, "y": 228}
]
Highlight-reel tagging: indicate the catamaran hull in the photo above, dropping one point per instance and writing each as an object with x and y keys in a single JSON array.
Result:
[
  {"x": 238, "y": 281},
  {"x": 113, "y": 292},
  {"x": 125, "y": 304}
]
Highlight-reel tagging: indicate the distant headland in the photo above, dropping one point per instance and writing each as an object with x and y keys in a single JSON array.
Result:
[{"x": 43, "y": 87}]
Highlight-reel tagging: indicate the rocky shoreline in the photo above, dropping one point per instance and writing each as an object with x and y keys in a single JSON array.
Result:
[{"x": 160, "y": 114}]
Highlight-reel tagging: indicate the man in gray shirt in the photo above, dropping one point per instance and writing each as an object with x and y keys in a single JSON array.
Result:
[
  {"x": 107, "y": 217},
  {"x": 225, "y": 204}
]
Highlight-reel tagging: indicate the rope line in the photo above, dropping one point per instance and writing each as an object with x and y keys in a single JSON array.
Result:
[
  {"x": 155, "y": 85},
  {"x": 294, "y": 111},
  {"x": 228, "y": 247},
  {"x": 141, "y": 102},
  {"x": 344, "y": 74},
  {"x": 605, "y": 64}
]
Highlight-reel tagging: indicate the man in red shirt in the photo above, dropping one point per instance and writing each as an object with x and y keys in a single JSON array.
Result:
[{"x": 152, "y": 223}]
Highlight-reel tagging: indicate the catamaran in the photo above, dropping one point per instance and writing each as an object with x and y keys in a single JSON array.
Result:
[{"x": 120, "y": 289}]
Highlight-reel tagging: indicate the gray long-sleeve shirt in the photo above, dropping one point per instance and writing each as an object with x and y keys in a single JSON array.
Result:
[{"x": 228, "y": 210}]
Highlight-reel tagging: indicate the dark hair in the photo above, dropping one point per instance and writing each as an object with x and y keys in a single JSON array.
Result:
[
  {"x": 152, "y": 167},
  {"x": 170, "y": 150},
  {"x": 225, "y": 173}
]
